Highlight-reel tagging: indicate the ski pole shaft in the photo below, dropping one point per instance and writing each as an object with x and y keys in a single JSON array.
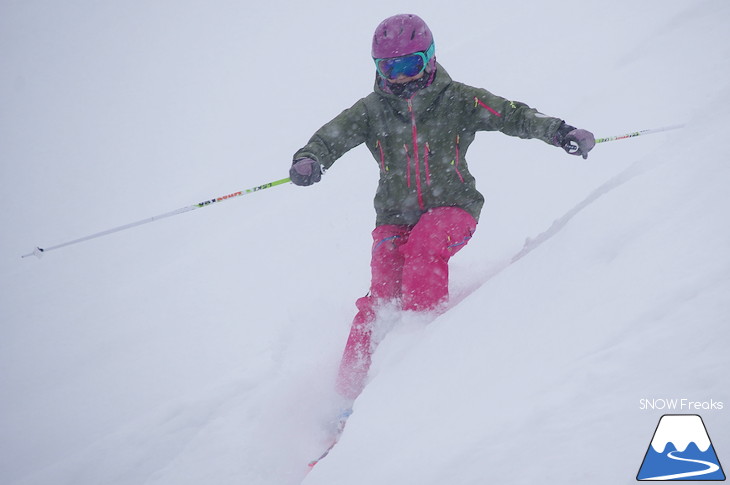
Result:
[
  {"x": 41, "y": 251},
  {"x": 638, "y": 133}
]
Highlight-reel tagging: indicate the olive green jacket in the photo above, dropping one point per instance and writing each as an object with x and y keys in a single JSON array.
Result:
[{"x": 420, "y": 143}]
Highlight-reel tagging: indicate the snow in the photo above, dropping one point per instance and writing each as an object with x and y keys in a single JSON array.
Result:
[
  {"x": 680, "y": 431},
  {"x": 202, "y": 348}
]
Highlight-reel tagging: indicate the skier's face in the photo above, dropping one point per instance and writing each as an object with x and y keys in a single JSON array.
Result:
[{"x": 402, "y": 79}]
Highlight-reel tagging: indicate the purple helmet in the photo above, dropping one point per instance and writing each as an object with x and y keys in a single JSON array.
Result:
[{"x": 400, "y": 35}]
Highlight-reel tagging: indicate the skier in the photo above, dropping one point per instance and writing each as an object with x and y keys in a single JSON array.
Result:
[{"x": 418, "y": 124}]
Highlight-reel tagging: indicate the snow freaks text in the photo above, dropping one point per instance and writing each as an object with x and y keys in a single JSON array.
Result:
[{"x": 679, "y": 405}]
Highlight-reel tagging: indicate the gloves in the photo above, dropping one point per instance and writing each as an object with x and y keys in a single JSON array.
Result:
[
  {"x": 305, "y": 171},
  {"x": 574, "y": 140}
]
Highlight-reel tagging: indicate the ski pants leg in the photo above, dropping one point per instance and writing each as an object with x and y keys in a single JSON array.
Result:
[
  {"x": 439, "y": 234},
  {"x": 409, "y": 264},
  {"x": 386, "y": 269}
]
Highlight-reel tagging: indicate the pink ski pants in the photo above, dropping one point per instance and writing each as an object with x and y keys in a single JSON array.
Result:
[{"x": 409, "y": 265}]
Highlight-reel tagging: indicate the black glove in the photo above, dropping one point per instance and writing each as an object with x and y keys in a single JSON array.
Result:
[
  {"x": 305, "y": 171},
  {"x": 574, "y": 140}
]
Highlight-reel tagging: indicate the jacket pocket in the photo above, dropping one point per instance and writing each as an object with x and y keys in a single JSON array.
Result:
[
  {"x": 427, "y": 168},
  {"x": 455, "y": 161},
  {"x": 379, "y": 146}
]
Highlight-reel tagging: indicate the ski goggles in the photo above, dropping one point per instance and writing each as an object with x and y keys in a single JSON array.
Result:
[{"x": 409, "y": 65}]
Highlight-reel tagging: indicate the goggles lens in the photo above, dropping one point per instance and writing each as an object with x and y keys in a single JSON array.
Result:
[{"x": 409, "y": 65}]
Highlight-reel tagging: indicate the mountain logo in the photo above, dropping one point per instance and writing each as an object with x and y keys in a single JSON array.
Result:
[{"x": 680, "y": 450}]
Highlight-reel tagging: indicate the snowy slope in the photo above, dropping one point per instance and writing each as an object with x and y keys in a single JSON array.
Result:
[
  {"x": 201, "y": 348},
  {"x": 542, "y": 376}
]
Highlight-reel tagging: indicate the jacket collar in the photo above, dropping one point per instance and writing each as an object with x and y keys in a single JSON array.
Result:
[{"x": 423, "y": 98}]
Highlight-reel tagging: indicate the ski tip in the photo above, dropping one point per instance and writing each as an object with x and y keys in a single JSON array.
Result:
[{"x": 326, "y": 452}]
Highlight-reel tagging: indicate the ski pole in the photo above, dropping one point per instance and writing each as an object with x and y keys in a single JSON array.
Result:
[
  {"x": 638, "y": 133},
  {"x": 38, "y": 252}
]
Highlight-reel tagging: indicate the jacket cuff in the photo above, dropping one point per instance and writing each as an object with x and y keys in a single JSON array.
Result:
[{"x": 559, "y": 136}]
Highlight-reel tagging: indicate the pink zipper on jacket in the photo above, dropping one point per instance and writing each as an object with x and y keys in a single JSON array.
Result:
[
  {"x": 382, "y": 155},
  {"x": 426, "y": 153},
  {"x": 408, "y": 165},
  {"x": 416, "y": 160},
  {"x": 481, "y": 103},
  {"x": 456, "y": 161}
]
